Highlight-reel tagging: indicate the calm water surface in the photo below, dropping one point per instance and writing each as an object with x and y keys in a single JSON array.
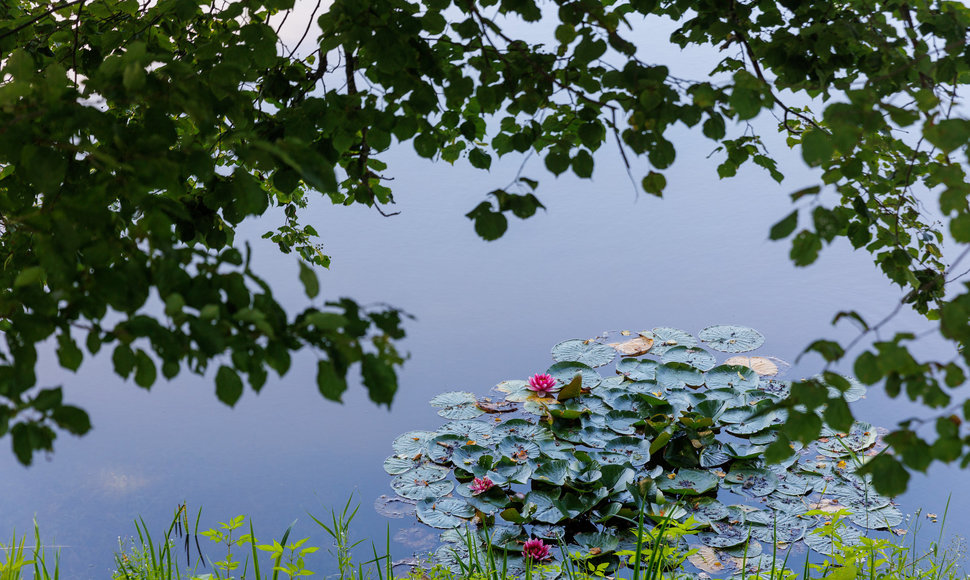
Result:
[{"x": 600, "y": 258}]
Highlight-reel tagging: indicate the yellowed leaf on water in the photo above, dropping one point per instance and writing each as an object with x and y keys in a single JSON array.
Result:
[
  {"x": 763, "y": 365},
  {"x": 826, "y": 505},
  {"x": 707, "y": 559},
  {"x": 634, "y": 347},
  {"x": 496, "y": 407}
]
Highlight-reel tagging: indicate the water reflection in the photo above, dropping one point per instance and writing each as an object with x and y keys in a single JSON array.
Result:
[{"x": 599, "y": 259}]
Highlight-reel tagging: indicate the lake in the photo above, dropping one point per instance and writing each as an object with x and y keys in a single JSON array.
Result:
[{"x": 600, "y": 258}]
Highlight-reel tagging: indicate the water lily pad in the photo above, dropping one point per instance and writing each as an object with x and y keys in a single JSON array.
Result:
[
  {"x": 587, "y": 352},
  {"x": 756, "y": 482},
  {"x": 512, "y": 385},
  {"x": 457, "y": 405},
  {"x": 694, "y": 356},
  {"x": 552, "y": 471},
  {"x": 755, "y": 423},
  {"x": 689, "y": 482},
  {"x": 565, "y": 371},
  {"x": 517, "y": 448},
  {"x": 472, "y": 430},
  {"x": 884, "y": 518},
  {"x": 411, "y": 487},
  {"x": 707, "y": 509},
  {"x": 596, "y": 543},
  {"x": 635, "y": 449},
  {"x": 502, "y": 536},
  {"x": 751, "y": 549},
  {"x": 723, "y": 535},
  {"x": 727, "y": 338},
  {"x": 623, "y": 422},
  {"x": 787, "y": 528},
  {"x": 440, "y": 448},
  {"x": 794, "y": 484},
  {"x": 507, "y": 471},
  {"x": 665, "y": 338},
  {"x": 545, "y": 509},
  {"x": 555, "y": 449},
  {"x": 676, "y": 375},
  {"x": 634, "y": 347},
  {"x": 548, "y": 532},
  {"x": 412, "y": 443},
  {"x": 394, "y": 507},
  {"x": 467, "y": 456},
  {"x": 714, "y": 455},
  {"x": 637, "y": 370},
  {"x": 521, "y": 428},
  {"x": 395, "y": 465},
  {"x": 595, "y": 437},
  {"x": 444, "y": 512},
  {"x": 823, "y": 544},
  {"x": 733, "y": 377}
]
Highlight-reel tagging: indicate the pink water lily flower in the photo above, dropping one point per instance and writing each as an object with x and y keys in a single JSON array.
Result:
[
  {"x": 535, "y": 550},
  {"x": 480, "y": 485},
  {"x": 541, "y": 384}
]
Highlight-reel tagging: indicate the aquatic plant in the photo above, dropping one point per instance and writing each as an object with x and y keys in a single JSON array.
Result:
[
  {"x": 541, "y": 384},
  {"x": 480, "y": 485},
  {"x": 665, "y": 422},
  {"x": 535, "y": 550}
]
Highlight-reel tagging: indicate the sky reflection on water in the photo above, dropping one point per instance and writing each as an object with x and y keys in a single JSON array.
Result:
[{"x": 600, "y": 258}]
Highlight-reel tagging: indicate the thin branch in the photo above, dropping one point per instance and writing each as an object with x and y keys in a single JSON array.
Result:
[
  {"x": 36, "y": 19},
  {"x": 309, "y": 25}
]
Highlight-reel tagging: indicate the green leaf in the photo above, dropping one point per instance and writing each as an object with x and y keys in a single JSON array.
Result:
[
  {"x": 785, "y": 227},
  {"x": 838, "y": 415},
  {"x": 948, "y": 134},
  {"x": 145, "y": 373},
  {"x": 816, "y": 147},
  {"x": 68, "y": 354},
  {"x": 72, "y": 419},
  {"x": 309, "y": 279},
  {"x": 31, "y": 275},
  {"x": 489, "y": 224},
  {"x": 123, "y": 359},
  {"x": 331, "y": 384},
  {"x": 888, "y": 475},
  {"x": 379, "y": 378},
  {"x": 479, "y": 159},
  {"x": 572, "y": 390},
  {"x": 229, "y": 387},
  {"x": 654, "y": 183},
  {"x": 805, "y": 248}
]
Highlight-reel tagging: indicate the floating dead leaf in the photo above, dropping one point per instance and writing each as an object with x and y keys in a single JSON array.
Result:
[
  {"x": 826, "y": 505},
  {"x": 707, "y": 559},
  {"x": 763, "y": 365},
  {"x": 625, "y": 332},
  {"x": 496, "y": 407},
  {"x": 633, "y": 347}
]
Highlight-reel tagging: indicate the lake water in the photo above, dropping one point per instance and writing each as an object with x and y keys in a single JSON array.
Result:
[{"x": 600, "y": 258}]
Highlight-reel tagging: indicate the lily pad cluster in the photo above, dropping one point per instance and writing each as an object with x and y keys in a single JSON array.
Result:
[{"x": 670, "y": 432}]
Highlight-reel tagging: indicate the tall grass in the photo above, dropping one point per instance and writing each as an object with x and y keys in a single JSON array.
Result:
[{"x": 656, "y": 555}]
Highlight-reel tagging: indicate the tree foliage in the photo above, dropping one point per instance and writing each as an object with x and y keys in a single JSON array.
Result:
[{"x": 135, "y": 137}]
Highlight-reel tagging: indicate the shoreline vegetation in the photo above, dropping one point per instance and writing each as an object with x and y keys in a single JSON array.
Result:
[{"x": 232, "y": 551}]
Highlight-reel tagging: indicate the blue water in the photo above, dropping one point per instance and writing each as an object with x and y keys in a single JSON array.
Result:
[{"x": 600, "y": 258}]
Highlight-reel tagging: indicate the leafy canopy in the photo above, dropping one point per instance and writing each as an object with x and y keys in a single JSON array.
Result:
[{"x": 136, "y": 136}]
